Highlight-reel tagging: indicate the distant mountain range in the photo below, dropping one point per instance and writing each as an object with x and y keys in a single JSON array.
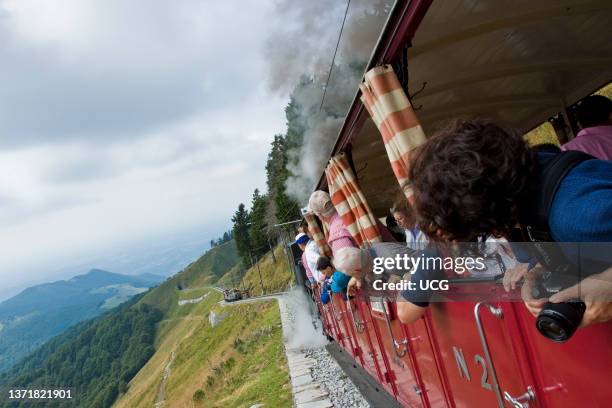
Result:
[
  {"x": 40, "y": 312},
  {"x": 101, "y": 356}
]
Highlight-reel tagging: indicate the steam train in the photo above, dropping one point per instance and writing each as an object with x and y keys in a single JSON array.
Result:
[{"x": 522, "y": 63}]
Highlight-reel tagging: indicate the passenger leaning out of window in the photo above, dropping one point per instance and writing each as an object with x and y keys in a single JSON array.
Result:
[
  {"x": 405, "y": 218},
  {"x": 334, "y": 280},
  {"x": 478, "y": 179},
  {"x": 310, "y": 254},
  {"x": 338, "y": 236},
  {"x": 594, "y": 116}
]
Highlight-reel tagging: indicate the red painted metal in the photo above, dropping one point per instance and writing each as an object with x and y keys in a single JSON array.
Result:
[
  {"x": 395, "y": 343},
  {"x": 426, "y": 365},
  {"x": 372, "y": 358},
  {"x": 340, "y": 315},
  {"x": 447, "y": 360},
  {"x": 571, "y": 374},
  {"x": 338, "y": 334},
  {"x": 351, "y": 326},
  {"x": 387, "y": 373},
  {"x": 327, "y": 325}
]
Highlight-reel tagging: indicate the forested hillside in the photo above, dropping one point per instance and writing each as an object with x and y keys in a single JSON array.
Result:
[
  {"x": 43, "y": 311},
  {"x": 96, "y": 358},
  {"x": 100, "y": 356}
]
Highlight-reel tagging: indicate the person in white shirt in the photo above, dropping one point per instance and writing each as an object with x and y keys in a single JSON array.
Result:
[
  {"x": 310, "y": 256},
  {"x": 415, "y": 238}
]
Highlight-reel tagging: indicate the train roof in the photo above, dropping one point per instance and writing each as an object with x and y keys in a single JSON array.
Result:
[{"x": 517, "y": 62}]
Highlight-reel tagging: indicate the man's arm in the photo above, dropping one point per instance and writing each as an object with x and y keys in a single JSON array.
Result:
[{"x": 408, "y": 312}]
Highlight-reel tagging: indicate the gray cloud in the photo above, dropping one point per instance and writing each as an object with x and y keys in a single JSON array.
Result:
[
  {"x": 120, "y": 121},
  {"x": 114, "y": 69}
]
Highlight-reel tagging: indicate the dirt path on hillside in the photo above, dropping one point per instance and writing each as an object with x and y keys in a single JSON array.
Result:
[{"x": 161, "y": 394}]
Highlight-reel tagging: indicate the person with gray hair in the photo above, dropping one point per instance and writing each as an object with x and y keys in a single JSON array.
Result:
[{"x": 359, "y": 264}]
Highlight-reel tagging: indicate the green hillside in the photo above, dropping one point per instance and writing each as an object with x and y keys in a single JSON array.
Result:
[
  {"x": 151, "y": 348},
  {"x": 95, "y": 358},
  {"x": 43, "y": 311},
  {"x": 234, "y": 364},
  {"x": 276, "y": 276},
  {"x": 205, "y": 271}
]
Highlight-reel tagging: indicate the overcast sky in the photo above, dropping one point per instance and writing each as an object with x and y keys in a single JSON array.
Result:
[{"x": 121, "y": 120}]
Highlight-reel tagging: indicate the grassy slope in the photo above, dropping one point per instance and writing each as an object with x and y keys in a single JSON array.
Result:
[
  {"x": 258, "y": 371},
  {"x": 276, "y": 276},
  {"x": 244, "y": 372},
  {"x": 205, "y": 271},
  {"x": 232, "y": 278}
]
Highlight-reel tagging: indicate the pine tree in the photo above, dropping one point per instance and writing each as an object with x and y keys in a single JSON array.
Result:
[
  {"x": 257, "y": 232},
  {"x": 240, "y": 230}
]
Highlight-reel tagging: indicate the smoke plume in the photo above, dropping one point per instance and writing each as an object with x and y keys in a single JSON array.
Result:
[
  {"x": 300, "y": 332},
  {"x": 299, "y": 52}
]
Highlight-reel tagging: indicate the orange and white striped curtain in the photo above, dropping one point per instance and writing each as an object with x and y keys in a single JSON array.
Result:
[
  {"x": 349, "y": 201},
  {"x": 317, "y": 235},
  {"x": 384, "y": 98}
]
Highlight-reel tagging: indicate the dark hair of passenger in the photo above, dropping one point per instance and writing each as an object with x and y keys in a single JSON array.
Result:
[
  {"x": 469, "y": 180},
  {"x": 401, "y": 205},
  {"x": 324, "y": 262},
  {"x": 594, "y": 110}
]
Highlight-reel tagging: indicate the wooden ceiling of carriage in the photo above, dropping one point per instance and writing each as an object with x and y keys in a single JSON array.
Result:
[{"x": 518, "y": 62}]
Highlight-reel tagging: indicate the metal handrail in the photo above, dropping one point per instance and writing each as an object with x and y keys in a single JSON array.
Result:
[
  {"x": 522, "y": 401},
  {"x": 497, "y": 312},
  {"x": 397, "y": 345},
  {"x": 331, "y": 300},
  {"x": 359, "y": 324}
]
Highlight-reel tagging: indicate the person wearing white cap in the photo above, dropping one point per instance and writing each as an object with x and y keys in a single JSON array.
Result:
[
  {"x": 338, "y": 237},
  {"x": 310, "y": 255}
]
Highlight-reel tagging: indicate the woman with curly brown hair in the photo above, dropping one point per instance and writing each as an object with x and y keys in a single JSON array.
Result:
[{"x": 477, "y": 179}]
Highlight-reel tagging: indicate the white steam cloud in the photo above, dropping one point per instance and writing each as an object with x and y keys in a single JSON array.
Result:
[
  {"x": 299, "y": 53},
  {"x": 298, "y": 328}
]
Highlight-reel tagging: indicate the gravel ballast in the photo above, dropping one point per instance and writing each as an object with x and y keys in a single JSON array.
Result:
[{"x": 342, "y": 391}]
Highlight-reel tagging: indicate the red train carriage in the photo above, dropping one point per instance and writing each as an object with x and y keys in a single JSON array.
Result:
[{"x": 520, "y": 62}]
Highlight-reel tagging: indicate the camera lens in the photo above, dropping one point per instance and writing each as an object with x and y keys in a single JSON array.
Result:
[{"x": 559, "y": 321}]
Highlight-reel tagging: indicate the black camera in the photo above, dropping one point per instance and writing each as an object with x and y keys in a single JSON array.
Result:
[{"x": 557, "y": 321}]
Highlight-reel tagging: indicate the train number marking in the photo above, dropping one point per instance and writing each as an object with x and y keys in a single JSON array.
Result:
[
  {"x": 460, "y": 359},
  {"x": 464, "y": 372},
  {"x": 485, "y": 374}
]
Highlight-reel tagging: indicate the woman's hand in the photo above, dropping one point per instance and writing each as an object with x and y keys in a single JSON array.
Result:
[
  {"x": 353, "y": 285},
  {"x": 514, "y": 275},
  {"x": 596, "y": 292},
  {"x": 534, "y": 306}
]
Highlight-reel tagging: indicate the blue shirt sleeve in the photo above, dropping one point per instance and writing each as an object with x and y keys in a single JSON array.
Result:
[{"x": 582, "y": 207}]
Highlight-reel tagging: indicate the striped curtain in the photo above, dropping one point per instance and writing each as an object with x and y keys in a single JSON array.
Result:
[
  {"x": 350, "y": 202},
  {"x": 317, "y": 235},
  {"x": 389, "y": 107}
]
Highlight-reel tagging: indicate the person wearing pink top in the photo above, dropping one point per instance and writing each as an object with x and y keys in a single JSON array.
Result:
[
  {"x": 338, "y": 236},
  {"x": 594, "y": 116}
]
